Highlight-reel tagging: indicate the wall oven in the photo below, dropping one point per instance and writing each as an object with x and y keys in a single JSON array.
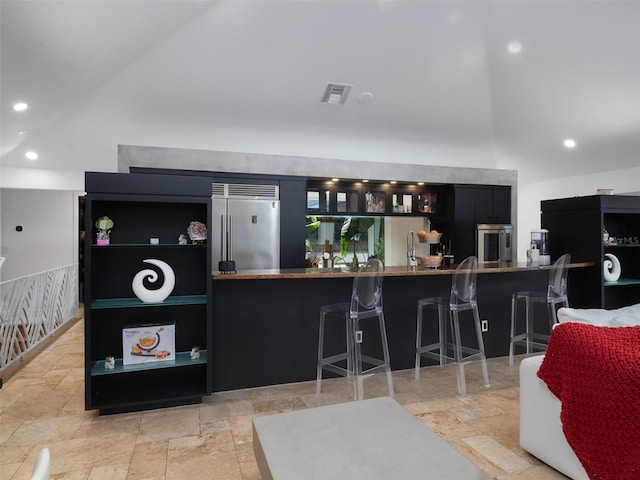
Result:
[{"x": 494, "y": 243}]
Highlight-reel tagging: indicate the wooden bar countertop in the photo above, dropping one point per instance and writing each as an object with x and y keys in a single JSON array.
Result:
[{"x": 303, "y": 273}]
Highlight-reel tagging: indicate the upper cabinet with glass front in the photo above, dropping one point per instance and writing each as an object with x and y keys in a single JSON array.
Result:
[
  {"x": 370, "y": 198},
  {"x": 318, "y": 200},
  {"x": 348, "y": 199},
  {"x": 330, "y": 198},
  {"x": 375, "y": 200}
]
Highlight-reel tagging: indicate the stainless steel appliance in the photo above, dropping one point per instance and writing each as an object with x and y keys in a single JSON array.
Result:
[
  {"x": 494, "y": 242},
  {"x": 540, "y": 246},
  {"x": 245, "y": 227}
]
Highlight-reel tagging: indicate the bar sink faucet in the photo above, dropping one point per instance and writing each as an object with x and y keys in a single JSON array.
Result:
[{"x": 412, "y": 262}]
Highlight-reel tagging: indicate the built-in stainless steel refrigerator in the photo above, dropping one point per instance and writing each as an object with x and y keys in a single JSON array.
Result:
[{"x": 246, "y": 225}]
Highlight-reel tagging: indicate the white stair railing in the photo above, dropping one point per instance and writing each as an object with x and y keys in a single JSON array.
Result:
[{"x": 33, "y": 307}]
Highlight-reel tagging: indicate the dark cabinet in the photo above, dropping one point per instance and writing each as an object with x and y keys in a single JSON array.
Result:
[
  {"x": 474, "y": 204},
  {"x": 146, "y": 375},
  {"x": 577, "y": 226},
  {"x": 490, "y": 204}
]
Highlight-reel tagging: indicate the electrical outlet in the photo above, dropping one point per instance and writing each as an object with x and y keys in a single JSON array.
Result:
[{"x": 484, "y": 325}]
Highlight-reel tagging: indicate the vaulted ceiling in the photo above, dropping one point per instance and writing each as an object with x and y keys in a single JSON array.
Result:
[{"x": 170, "y": 73}]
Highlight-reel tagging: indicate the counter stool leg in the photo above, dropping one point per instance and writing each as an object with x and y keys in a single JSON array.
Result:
[
  {"x": 462, "y": 386},
  {"x": 348, "y": 328},
  {"x": 356, "y": 340},
  {"x": 350, "y": 360},
  {"x": 418, "y": 339},
  {"x": 320, "y": 353},
  {"x": 514, "y": 311},
  {"x": 385, "y": 352},
  {"x": 529, "y": 320},
  {"x": 483, "y": 358},
  {"x": 552, "y": 315},
  {"x": 442, "y": 332}
]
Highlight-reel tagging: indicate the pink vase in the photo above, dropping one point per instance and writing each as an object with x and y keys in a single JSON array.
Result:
[{"x": 102, "y": 241}]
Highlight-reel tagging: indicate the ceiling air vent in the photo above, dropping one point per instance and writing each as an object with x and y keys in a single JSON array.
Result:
[{"x": 336, "y": 93}]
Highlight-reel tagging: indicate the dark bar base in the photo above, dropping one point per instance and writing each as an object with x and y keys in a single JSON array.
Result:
[{"x": 265, "y": 332}]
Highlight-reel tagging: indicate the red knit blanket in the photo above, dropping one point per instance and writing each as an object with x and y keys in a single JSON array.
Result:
[{"x": 595, "y": 372}]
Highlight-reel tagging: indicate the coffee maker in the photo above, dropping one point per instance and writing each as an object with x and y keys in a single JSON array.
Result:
[{"x": 540, "y": 253}]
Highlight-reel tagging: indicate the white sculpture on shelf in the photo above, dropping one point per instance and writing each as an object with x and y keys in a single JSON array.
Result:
[
  {"x": 612, "y": 268},
  {"x": 109, "y": 363},
  {"x": 154, "y": 296}
]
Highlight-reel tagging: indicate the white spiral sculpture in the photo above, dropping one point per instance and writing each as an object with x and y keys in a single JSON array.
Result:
[
  {"x": 154, "y": 296},
  {"x": 612, "y": 268}
]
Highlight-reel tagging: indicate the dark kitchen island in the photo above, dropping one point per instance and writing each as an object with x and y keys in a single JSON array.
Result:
[{"x": 265, "y": 322}]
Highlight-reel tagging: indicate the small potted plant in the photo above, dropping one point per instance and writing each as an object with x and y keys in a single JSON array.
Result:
[{"x": 104, "y": 226}]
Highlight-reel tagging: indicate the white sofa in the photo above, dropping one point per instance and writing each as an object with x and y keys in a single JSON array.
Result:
[{"x": 540, "y": 427}]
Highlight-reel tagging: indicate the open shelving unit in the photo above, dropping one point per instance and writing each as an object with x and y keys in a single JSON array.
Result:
[
  {"x": 576, "y": 225},
  {"x": 111, "y": 304},
  {"x": 625, "y": 245}
]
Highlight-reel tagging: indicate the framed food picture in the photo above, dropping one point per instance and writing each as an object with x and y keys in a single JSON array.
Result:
[{"x": 148, "y": 343}]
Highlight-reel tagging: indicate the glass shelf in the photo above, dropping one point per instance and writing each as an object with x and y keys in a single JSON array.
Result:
[
  {"x": 183, "y": 359},
  {"x": 623, "y": 281},
  {"x": 146, "y": 245},
  {"x": 135, "y": 302}
]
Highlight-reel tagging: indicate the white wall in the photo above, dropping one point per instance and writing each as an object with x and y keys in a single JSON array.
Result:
[
  {"x": 624, "y": 182},
  {"x": 396, "y": 230},
  {"x": 43, "y": 179},
  {"x": 49, "y": 236}
]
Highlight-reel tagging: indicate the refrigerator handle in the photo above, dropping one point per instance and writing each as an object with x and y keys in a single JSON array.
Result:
[
  {"x": 230, "y": 246},
  {"x": 223, "y": 238}
]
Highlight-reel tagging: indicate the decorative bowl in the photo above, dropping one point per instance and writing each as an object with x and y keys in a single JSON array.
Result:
[
  {"x": 431, "y": 261},
  {"x": 430, "y": 238}
]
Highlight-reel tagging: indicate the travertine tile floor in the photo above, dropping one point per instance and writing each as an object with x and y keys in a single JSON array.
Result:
[{"x": 43, "y": 405}]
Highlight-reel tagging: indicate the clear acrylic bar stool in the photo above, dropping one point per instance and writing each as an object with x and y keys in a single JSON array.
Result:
[
  {"x": 555, "y": 295},
  {"x": 463, "y": 297},
  {"x": 366, "y": 302}
]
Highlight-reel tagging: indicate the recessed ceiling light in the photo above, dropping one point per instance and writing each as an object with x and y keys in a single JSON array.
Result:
[
  {"x": 335, "y": 179},
  {"x": 365, "y": 97},
  {"x": 31, "y": 155},
  {"x": 420, "y": 183},
  {"x": 23, "y": 132},
  {"x": 570, "y": 143},
  {"x": 20, "y": 106},
  {"x": 365, "y": 181},
  {"x": 393, "y": 182},
  {"x": 514, "y": 47}
]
